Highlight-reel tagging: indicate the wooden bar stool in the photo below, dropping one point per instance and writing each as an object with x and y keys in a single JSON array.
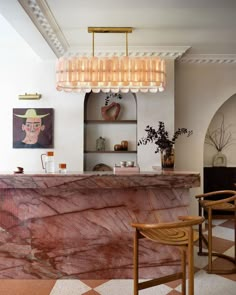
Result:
[
  {"x": 227, "y": 202},
  {"x": 180, "y": 234}
]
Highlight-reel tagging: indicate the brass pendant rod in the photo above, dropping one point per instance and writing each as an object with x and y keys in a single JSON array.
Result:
[
  {"x": 93, "y": 44},
  {"x": 126, "y": 49},
  {"x": 125, "y": 30}
]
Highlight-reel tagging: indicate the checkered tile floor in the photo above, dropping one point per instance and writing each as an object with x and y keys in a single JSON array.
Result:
[{"x": 205, "y": 284}]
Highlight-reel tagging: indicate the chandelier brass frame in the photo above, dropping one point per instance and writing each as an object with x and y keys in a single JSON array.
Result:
[{"x": 124, "y": 74}]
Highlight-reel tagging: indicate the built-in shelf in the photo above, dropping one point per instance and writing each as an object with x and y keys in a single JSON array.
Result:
[
  {"x": 110, "y": 122},
  {"x": 110, "y": 152},
  {"x": 113, "y": 131}
]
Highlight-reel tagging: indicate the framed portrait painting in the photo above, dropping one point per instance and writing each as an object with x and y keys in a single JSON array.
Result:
[{"x": 33, "y": 128}]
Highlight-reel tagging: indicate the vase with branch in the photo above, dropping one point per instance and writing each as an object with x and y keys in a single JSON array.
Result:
[
  {"x": 164, "y": 144},
  {"x": 220, "y": 138}
]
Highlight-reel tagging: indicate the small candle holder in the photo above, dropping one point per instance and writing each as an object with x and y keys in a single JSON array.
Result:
[{"x": 62, "y": 168}]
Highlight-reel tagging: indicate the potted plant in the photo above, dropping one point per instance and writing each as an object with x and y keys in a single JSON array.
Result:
[{"x": 164, "y": 144}]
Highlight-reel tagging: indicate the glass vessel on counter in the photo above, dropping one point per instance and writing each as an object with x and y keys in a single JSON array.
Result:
[
  {"x": 48, "y": 162},
  {"x": 167, "y": 158}
]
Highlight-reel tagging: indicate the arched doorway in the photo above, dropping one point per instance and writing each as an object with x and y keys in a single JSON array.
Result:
[
  {"x": 222, "y": 134},
  {"x": 220, "y": 174}
]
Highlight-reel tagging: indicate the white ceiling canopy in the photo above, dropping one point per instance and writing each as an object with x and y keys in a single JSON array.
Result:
[{"x": 204, "y": 29}]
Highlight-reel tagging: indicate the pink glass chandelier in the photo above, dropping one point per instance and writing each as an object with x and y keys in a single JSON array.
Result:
[{"x": 115, "y": 74}]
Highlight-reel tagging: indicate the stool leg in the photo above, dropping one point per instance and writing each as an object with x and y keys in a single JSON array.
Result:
[
  {"x": 190, "y": 264},
  {"x": 235, "y": 235},
  {"x": 183, "y": 268},
  {"x": 209, "y": 240},
  {"x": 135, "y": 261},
  {"x": 200, "y": 229}
]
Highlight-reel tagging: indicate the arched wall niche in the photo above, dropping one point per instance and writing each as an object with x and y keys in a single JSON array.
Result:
[
  {"x": 226, "y": 115},
  {"x": 123, "y": 128},
  {"x": 94, "y": 101}
]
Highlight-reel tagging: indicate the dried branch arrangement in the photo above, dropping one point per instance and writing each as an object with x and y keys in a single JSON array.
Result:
[{"x": 221, "y": 137}]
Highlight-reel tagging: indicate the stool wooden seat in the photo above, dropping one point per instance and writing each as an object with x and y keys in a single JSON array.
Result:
[
  {"x": 180, "y": 234},
  {"x": 227, "y": 202}
]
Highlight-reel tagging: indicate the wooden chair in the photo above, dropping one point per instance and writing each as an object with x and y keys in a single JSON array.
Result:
[
  {"x": 180, "y": 234},
  {"x": 227, "y": 202}
]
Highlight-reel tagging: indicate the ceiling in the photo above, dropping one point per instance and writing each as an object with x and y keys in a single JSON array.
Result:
[{"x": 177, "y": 28}]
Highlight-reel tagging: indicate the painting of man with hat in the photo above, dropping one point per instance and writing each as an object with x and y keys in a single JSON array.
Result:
[{"x": 32, "y": 128}]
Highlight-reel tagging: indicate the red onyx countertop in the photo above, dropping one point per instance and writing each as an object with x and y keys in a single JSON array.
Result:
[{"x": 105, "y": 180}]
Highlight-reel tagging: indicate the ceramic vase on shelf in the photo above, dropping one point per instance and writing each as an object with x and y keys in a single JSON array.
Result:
[
  {"x": 167, "y": 158},
  {"x": 219, "y": 160}
]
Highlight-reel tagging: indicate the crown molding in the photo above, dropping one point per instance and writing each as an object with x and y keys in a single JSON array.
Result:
[
  {"x": 167, "y": 52},
  {"x": 208, "y": 59},
  {"x": 45, "y": 22}
]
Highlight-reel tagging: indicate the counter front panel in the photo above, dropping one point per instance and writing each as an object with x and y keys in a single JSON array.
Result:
[{"x": 79, "y": 225}]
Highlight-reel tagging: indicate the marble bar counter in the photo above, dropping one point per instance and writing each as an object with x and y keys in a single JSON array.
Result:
[{"x": 78, "y": 225}]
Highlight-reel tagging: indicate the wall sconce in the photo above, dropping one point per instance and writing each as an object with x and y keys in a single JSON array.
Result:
[{"x": 30, "y": 96}]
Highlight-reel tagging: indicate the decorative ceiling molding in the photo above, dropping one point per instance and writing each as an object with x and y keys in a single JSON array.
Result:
[
  {"x": 208, "y": 58},
  {"x": 167, "y": 52},
  {"x": 43, "y": 19}
]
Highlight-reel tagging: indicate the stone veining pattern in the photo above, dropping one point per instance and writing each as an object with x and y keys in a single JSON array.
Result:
[{"x": 78, "y": 226}]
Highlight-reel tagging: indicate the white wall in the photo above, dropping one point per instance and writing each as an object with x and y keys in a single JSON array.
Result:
[
  {"x": 200, "y": 91},
  {"x": 35, "y": 76},
  {"x": 22, "y": 71}
]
